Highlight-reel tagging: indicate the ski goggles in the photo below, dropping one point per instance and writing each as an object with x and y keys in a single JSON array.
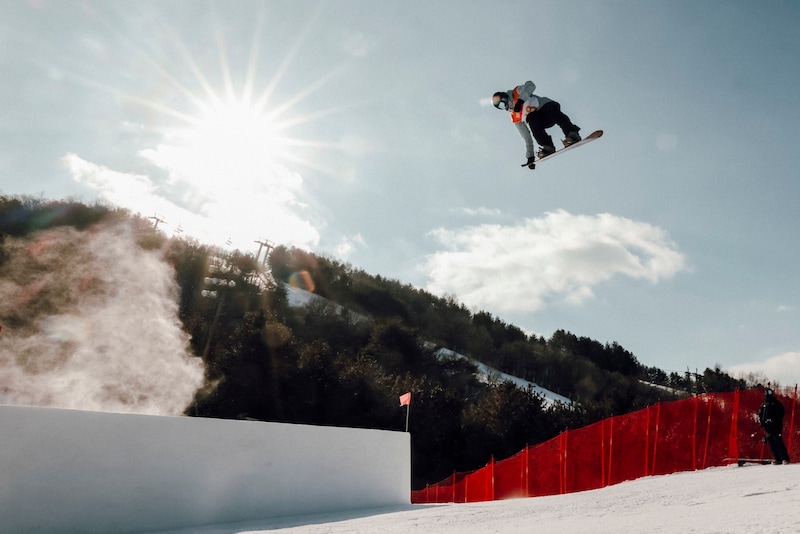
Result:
[{"x": 498, "y": 100}]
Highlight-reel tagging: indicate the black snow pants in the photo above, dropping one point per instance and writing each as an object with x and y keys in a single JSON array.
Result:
[
  {"x": 548, "y": 116},
  {"x": 778, "y": 447}
]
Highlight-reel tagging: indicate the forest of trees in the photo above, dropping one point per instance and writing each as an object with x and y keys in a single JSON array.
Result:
[{"x": 320, "y": 364}]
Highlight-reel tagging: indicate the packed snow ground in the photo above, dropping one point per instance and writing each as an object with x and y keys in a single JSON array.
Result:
[{"x": 753, "y": 499}]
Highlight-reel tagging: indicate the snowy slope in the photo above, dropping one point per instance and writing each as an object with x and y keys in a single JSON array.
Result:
[
  {"x": 301, "y": 297},
  {"x": 297, "y": 297},
  {"x": 488, "y": 372},
  {"x": 742, "y": 500}
]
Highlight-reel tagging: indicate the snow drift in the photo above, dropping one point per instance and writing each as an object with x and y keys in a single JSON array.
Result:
[{"x": 90, "y": 322}]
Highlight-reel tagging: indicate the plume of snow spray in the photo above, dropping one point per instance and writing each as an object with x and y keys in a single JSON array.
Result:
[{"x": 90, "y": 322}]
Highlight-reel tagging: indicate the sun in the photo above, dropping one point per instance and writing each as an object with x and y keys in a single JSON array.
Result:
[
  {"x": 232, "y": 121},
  {"x": 233, "y": 136},
  {"x": 236, "y": 126},
  {"x": 234, "y": 133},
  {"x": 229, "y": 164},
  {"x": 226, "y": 133}
]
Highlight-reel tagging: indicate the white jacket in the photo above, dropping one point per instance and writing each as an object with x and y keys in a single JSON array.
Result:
[{"x": 532, "y": 102}]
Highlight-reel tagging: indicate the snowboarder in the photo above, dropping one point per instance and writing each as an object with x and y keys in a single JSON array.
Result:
[
  {"x": 538, "y": 113},
  {"x": 770, "y": 417}
]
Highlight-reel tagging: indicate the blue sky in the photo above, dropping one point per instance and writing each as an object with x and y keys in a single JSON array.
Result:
[{"x": 362, "y": 130}]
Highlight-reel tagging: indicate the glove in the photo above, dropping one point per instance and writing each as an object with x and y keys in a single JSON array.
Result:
[{"x": 518, "y": 105}]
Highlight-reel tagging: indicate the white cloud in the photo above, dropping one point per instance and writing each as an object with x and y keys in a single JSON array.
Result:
[
  {"x": 115, "y": 187},
  {"x": 348, "y": 245},
  {"x": 784, "y": 368},
  {"x": 559, "y": 256},
  {"x": 211, "y": 210}
]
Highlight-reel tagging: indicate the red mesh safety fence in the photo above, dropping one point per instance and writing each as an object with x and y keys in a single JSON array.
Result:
[
  {"x": 478, "y": 484},
  {"x": 583, "y": 465},
  {"x": 695, "y": 433},
  {"x": 544, "y": 468},
  {"x": 511, "y": 477}
]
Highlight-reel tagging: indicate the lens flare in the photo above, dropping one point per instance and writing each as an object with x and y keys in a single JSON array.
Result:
[{"x": 302, "y": 280}]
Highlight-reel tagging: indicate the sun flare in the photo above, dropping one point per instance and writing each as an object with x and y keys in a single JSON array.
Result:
[
  {"x": 235, "y": 124},
  {"x": 223, "y": 144},
  {"x": 232, "y": 136}
]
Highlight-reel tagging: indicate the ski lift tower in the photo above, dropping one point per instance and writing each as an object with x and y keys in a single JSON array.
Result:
[{"x": 262, "y": 244}]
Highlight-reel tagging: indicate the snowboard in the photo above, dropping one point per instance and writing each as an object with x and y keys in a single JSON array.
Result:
[
  {"x": 591, "y": 137},
  {"x": 744, "y": 461}
]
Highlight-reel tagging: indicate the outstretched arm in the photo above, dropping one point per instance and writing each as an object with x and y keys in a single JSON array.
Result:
[{"x": 523, "y": 130}]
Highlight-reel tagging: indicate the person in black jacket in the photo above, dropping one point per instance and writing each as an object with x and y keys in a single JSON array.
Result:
[{"x": 770, "y": 417}]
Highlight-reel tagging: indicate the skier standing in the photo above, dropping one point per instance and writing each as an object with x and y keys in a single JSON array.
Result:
[
  {"x": 538, "y": 113},
  {"x": 770, "y": 417}
]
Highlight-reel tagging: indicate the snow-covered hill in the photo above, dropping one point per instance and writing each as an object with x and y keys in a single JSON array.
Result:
[
  {"x": 741, "y": 500},
  {"x": 490, "y": 373},
  {"x": 301, "y": 297}
]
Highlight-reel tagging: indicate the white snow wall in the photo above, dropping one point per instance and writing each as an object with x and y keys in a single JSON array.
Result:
[{"x": 77, "y": 471}]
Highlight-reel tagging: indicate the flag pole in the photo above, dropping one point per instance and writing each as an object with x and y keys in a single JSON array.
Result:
[{"x": 405, "y": 400}]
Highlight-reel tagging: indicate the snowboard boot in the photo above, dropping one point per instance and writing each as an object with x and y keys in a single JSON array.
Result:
[
  {"x": 545, "y": 151},
  {"x": 572, "y": 138}
]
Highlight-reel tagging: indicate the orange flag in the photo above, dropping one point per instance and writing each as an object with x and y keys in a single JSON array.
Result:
[{"x": 405, "y": 400}]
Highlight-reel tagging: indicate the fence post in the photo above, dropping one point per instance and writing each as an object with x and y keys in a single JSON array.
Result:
[
  {"x": 525, "y": 477},
  {"x": 491, "y": 474},
  {"x": 647, "y": 441},
  {"x": 610, "y": 448},
  {"x": 791, "y": 420},
  {"x": 694, "y": 431},
  {"x": 603, "y": 453},
  {"x": 655, "y": 438},
  {"x": 565, "y": 459},
  {"x": 708, "y": 430},
  {"x": 733, "y": 444}
]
